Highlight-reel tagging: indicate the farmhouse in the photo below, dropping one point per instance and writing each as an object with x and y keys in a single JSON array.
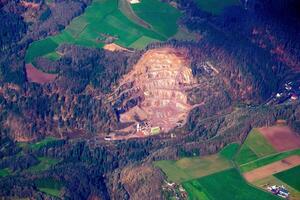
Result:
[{"x": 279, "y": 191}]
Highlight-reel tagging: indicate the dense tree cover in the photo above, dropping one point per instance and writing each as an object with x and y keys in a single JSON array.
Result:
[{"x": 77, "y": 104}]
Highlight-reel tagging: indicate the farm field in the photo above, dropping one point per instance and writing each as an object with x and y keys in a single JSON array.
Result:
[
  {"x": 267, "y": 160},
  {"x": 272, "y": 180},
  {"x": 256, "y": 159},
  {"x": 225, "y": 185},
  {"x": 215, "y": 6},
  {"x": 270, "y": 169},
  {"x": 191, "y": 168},
  {"x": 154, "y": 13},
  {"x": 255, "y": 146},
  {"x": 290, "y": 177},
  {"x": 282, "y": 138},
  {"x": 229, "y": 151},
  {"x": 104, "y": 21}
]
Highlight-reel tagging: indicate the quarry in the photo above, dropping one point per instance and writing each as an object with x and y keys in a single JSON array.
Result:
[{"x": 158, "y": 83}]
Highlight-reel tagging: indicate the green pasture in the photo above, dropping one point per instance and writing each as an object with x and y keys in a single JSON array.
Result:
[
  {"x": 225, "y": 185},
  {"x": 229, "y": 151},
  {"x": 112, "y": 20},
  {"x": 161, "y": 16},
  {"x": 254, "y": 147},
  {"x": 215, "y": 6},
  {"x": 267, "y": 160},
  {"x": 191, "y": 168},
  {"x": 290, "y": 177}
]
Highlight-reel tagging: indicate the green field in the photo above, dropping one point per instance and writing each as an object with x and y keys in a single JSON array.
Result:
[
  {"x": 191, "y": 168},
  {"x": 215, "y": 6},
  {"x": 255, "y": 146},
  {"x": 267, "y": 160},
  {"x": 219, "y": 176},
  {"x": 5, "y": 172},
  {"x": 225, "y": 185},
  {"x": 290, "y": 177},
  {"x": 271, "y": 180},
  {"x": 229, "y": 151},
  {"x": 161, "y": 16},
  {"x": 37, "y": 145},
  {"x": 105, "y": 20},
  {"x": 49, "y": 186},
  {"x": 44, "y": 164}
]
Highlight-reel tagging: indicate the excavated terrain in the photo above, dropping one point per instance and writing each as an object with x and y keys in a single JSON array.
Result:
[{"x": 157, "y": 89}]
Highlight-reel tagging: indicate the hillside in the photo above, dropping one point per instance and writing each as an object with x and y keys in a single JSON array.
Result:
[{"x": 93, "y": 92}]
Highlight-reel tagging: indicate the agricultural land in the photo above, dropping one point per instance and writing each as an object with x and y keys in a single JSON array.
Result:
[
  {"x": 239, "y": 171},
  {"x": 112, "y": 21}
]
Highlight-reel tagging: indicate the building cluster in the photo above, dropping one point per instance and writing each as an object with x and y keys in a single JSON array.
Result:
[
  {"x": 176, "y": 190},
  {"x": 280, "y": 191},
  {"x": 147, "y": 129}
]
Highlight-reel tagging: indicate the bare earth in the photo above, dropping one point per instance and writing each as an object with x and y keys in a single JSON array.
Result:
[
  {"x": 37, "y": 76},
  {"x": 282, "y": 138},
  {"x": 272, "y": 168},
  {"x": 114, "y": 47},
  {"x": 160, "y": 79}
]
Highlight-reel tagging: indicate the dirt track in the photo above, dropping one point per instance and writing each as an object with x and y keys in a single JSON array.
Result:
[
  {"x": 272, "y": 168},
  {"x": 282, "y": 138},
  {"x": 160, "y": 78}
]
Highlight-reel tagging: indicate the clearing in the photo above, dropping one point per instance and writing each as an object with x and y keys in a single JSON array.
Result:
[
  {"x": 49, "y": 186},
  {"x": 272, "y": 168},
  {"x": 38, "y": 76},
  {"x": 44, "y": 164},
  {"x": 282, "y": 138}
]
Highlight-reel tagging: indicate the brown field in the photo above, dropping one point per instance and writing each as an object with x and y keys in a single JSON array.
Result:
[
  {"x": 272, "y": 168},
  {"x": 37, "y": 76},
  {"x": 282, "y": 138}
]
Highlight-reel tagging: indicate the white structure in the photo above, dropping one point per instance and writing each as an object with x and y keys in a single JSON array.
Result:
[{"x": 134, "y": 1}]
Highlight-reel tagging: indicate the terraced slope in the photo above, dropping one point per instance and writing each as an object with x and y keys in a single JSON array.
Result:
[{"x": 159, "y": 82}]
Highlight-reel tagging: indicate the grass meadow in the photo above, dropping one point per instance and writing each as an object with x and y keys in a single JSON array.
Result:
[
  {"x": 113, "y": 20},
  {"x": 191, "y": 168}
]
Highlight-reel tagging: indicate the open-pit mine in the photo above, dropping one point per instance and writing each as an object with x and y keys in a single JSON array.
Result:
[{"x": 155, "y": 92}]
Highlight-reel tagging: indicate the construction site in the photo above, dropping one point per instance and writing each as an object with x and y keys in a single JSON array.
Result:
[{"x": 158, "y": 86}]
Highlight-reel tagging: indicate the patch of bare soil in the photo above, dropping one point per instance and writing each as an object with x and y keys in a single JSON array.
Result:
[
  {"x": 272, "y": 168},
  {"x": 114, "y": 47},
  {"x": 142, "y": 182},
  {"x": 160, "y": 80},
  {"x": 282, "y": 138},
  {"x": 37, "y": 76}
]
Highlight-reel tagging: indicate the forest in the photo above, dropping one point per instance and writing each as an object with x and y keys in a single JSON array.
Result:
[{"x": 245, "y": 42}]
